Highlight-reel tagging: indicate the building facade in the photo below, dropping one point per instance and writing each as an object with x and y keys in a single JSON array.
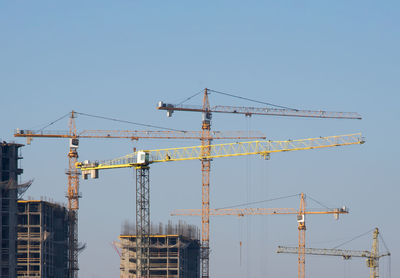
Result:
[
  {"x": 175, "y": 255},
  {"x": 9, "y": 172},
  {"x": 42, "y": 247}
]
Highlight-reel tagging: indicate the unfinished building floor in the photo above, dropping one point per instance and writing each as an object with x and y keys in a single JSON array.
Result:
[
  {"x": 174, "y": 255},
  {"x": 42, "y": 249}
]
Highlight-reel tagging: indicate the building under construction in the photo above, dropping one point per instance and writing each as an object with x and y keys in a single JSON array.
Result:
[
  {"x": 174, "y": 251},
  {"x": 42, "y": 247},
  {"x": 9, "y": 172}
]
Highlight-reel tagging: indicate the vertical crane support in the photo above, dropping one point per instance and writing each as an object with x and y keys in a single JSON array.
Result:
[
  {"x": 373, "y": 261},
  {"x": 73, "y": 200},
  {"x": 142, "y": 221},
  {"x": 302, "y": 237},
  {"x": 205, "y": 202}
]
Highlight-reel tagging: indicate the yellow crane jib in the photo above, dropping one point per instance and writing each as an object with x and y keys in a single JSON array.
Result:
[{"x": 263, "y": 148}]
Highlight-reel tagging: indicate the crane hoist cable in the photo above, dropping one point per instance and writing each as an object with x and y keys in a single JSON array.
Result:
[
  {"x": 354, "y": 238},
  {"x": 259, "y": 202},
  {"x": 128, "y": 122},
  {"x": 189, "y": 98},
  {"x": 53, "y": 122},
  {"x": 109, "y": 119}
]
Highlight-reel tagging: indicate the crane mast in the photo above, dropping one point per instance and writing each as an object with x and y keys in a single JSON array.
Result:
[
  {"x": 373, "y": 261},
  {"x": 207, "y": 111},
  {"x": 143, "y": 221},
  {"x": 73, "y": 199},
  {"x": 302, "y": 237},
  {"x": 205, "y": 189}
]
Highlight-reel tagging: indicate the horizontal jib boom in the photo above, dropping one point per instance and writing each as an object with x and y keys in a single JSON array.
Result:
[{"x": 263, "y": 148}]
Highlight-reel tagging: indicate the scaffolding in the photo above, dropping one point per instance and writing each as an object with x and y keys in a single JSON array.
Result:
[{"x": 174, "y": 251}]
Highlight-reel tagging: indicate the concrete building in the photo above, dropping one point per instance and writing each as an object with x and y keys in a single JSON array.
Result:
[
  {"x": 9, "y": 172},
  {"x": 42, "y": 247},
  {"x": 174, "y": 252}
]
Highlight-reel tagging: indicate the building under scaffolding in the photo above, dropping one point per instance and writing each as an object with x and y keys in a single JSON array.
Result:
[
  {"x": 42, "y": 240},
  {"x": 174, "y": 251}
]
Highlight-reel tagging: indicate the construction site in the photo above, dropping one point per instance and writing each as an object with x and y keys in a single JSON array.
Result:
[
  {"x": 199, "y": 139},
  {"x": 40, "y": 237},
  {"x": 42, "y": 233}
]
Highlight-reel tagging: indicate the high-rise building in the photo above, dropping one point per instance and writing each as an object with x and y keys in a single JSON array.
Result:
[
  {"x": 42, "y": 247},
  {"x": 174, "y": 252},
  {"x": 9, "y": 172}
]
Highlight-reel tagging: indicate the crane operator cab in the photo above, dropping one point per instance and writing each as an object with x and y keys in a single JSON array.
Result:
[{"x": 142, "y": 158}]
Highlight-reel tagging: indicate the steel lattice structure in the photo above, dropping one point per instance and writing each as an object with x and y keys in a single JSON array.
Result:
[
  {"x": 372, "y": 256},
  {"x": 207, "y": 110},
  {"x": 74, "y": 135},
  {"x": 142, "y": 160},
  {"x": 301, "y": 223}
]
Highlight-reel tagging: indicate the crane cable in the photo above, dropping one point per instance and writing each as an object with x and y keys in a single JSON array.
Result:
[
  {"x": 53, "y": 122},
  {"x": 239, "y": 97},
  {"x": 269, "y": 200},
  {"x": 363, "y": 234},
  {"x": 128, "y": 122},
  {"x": 249, "y": 196},
  {"x": 318, "y": 202},
  {"x": 252, "y": 100},
  {"x": 258, "y": 202},
  {"x": 190, "y": 97},
  {"x": 110, "y": 119},
  {"x": 384, "y": 243},
  {"x": 390, "y": 257},
  {"x": 240, "y": 235}
]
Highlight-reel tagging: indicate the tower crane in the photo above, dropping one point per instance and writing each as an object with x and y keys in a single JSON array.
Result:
[
  {"x": 207, "y": 110},
  {"x": 141, "y": 161},
  {"x": 372, "y": 256},
  {"x": 301, "y": 213},
  {"x": 74, "y": 135}
]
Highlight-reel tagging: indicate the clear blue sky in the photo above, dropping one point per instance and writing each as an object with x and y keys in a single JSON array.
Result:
[{"x": 118, "y": 58}]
